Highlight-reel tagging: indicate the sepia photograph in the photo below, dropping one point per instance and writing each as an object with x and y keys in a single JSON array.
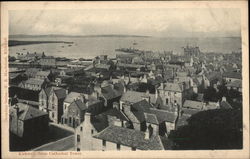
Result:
[{"x": 109, "y": 77}]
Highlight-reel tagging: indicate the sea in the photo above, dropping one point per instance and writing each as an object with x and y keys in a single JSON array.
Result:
[{"x": 90, "y": 47}]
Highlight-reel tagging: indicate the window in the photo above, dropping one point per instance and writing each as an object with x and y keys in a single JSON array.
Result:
[
  {"x": 70, "y": 119},
  {"x": 104, "y": 143},
  {"x": 166, "y": 100},
  {"x": 53, "y": 115},
  {"x": 81, "y": 128},
  {"x": 78, "y": 149},
  {"x": 78, "y": 138},
  {"x": 92, "y": 131},
  {"x": 118, "y": 146}
]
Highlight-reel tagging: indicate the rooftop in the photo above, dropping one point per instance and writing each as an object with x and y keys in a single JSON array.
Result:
[
  {"x": 71, "y": 96},
  {"x": 78, "y": 103},
  {"x": 193, "y": 104},
  {"x": 34, "y": 81},
  {"x": 131, "y": 138},
  {"x": 26, "y": 112}
]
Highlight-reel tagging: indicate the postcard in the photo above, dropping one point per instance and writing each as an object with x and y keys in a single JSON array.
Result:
[{"x": 116, "y": 79}]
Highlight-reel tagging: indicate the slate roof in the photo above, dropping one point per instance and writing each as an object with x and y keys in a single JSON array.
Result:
[
  {"x": 193, "y": 104},
  {"x": 60, "y": 93},
  {"x": 163, "y": 115},
  {"x": 200, "y": 97},
  {"x": 35, "y": 81},
  {"x": 140, "y": 108},
  {"x": 236, "y": 75},
  {"x": 211, "y": 105},
  {"x": 71, "y": 96},
  {"x": 133, "y": 97},
  {"x": 78, "y": 103},
  {"x": 130, "y": 137},
  {"x": 117, "y": 113},
  {"x": 109, "y": 93},
  {"x": 151, "y": 118},
  {"x": 43, "y": 73},
  {"x": 24, "y": 94},
  {"x": 225, "y": 105},
  {"x": 236, "y": 83},
  {"x": 175, "y": 87},
  {"x": 142, "y": 105},
  {"x": 99, "y": 122},
  {"x": 32, "y": 71},
  {"x": 182, "y": 121},
  {"x": 189, "y": 112},
  {"x": 26, "y": 112},
  {"x": 102, "y": 66}
]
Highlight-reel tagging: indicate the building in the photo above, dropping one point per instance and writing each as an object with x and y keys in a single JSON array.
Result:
[
  {"x": 172, "y": 94},
  {"x": 27, "y": 122},
  {"x": 44, "y": 75},
  {"x": 232, "y": 76},
  {"x": 55, "y": 103},
  {"x": 33, "y": 84},
  {"x": 120, "y": 138},
  {"x": 91, "y": 125},
  {"x": 191, "y": 51},
  {"x": 235, "y": 85},
  {"x": 74, "y": 114},
  {"x": 48, "y": 61}
]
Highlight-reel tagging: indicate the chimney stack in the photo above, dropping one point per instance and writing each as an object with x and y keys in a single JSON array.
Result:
[
  {"x": 87, "y": 117},
  {"x": 224, "y": 99}
]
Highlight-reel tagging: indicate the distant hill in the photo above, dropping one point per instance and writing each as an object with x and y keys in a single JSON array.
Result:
[
  {"x": 17, "y": 42},
  {"x": 76, "y": 36}
]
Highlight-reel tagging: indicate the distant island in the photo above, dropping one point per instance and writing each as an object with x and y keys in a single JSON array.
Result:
[
  {"x": 18, "y": 42},
  {"x": 74, "y": 36}
]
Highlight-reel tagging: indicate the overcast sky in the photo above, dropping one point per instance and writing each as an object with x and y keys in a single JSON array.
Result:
[{"x": 151, "y": 22}]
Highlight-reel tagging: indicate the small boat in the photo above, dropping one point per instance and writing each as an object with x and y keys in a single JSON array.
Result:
[{"x": 24, "y": 49}]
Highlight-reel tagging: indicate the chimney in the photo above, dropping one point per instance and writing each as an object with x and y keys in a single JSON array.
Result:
[
  {"x": 124, "y": 88},
  {"x": 224, "y": 99},
  {"x": 87, "y": 117},
  {"x": 148, "y": 132},
  {"x": 156, "y": 93},
  {"x": 17, "y": 109}
]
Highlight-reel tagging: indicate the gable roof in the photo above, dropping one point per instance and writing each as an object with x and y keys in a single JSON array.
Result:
[
  {"x": 110, "y": 93},
  {"x": 133, "y": 97},
  {"x": 117, "y": 113},
  {"x": 236, "y": 83},
  {"x": 24, "y": 94},
  {"x": 236, "y": 75},
  {"x": 71, "y": 96},
  {"x": 43, "y": 73},
  {"x": 151, "y": 118},
  {"x": 26, "y": 112},
  {"x": 131, "y": 138},
  {"x": 34, "y": 81},
  {"x": 60, "y": 92},
  {"x": 225, "y": 105},
  {"x": 193, "y": 104},
  {"x": 140, "y": 108},
  {"x": 79, "y": 104},
  {"x": 174, "y": 87}
]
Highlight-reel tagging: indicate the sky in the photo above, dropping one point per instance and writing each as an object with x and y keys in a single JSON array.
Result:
[{"x": 148, "y": 22}]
